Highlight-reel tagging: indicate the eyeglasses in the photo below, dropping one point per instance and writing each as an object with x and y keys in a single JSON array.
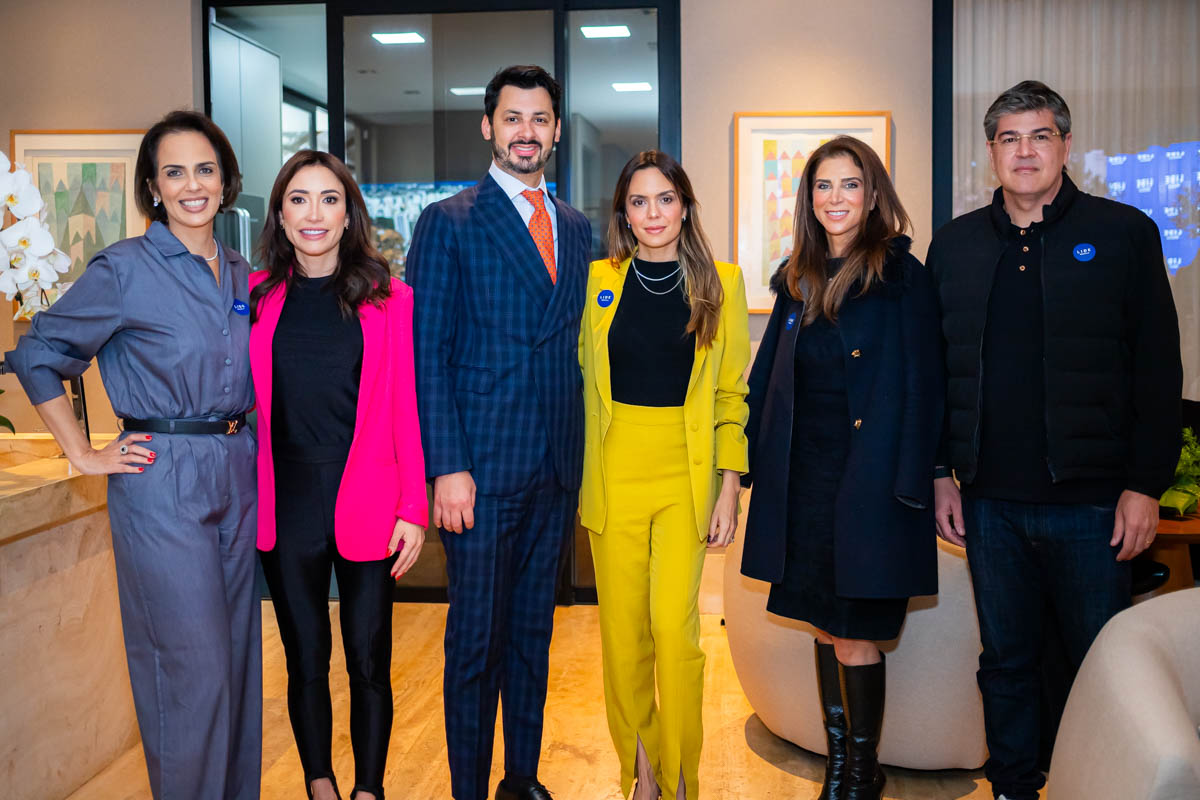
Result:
[{"x": 1041, "y": 140}]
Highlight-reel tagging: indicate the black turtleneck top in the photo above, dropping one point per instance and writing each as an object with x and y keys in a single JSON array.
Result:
[
  {"x": 317, "y": 356},
  {"x": 650, "y": 354}
]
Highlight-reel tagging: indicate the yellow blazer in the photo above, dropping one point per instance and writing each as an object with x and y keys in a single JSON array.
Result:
[{"x": 714, "y": 410}]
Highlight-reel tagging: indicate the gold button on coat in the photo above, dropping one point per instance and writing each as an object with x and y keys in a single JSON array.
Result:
[
  {"x": 856, "y": 352},
  {"x": 857, "y": 424}
]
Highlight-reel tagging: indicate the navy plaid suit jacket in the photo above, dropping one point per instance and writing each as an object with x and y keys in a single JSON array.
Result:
[{"x": 498, "y": 378}]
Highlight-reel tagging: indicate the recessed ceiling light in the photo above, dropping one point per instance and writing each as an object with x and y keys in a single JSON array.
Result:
[
  {"x": 604, "y": 31},
  {"x": 466, "y": 91},
  {"x": 641, "y": 86},
  {"x": 408, "y": 37}
]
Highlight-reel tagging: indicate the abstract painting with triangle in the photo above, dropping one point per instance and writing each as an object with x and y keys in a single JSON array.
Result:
[{"x": 86, "y": 203}]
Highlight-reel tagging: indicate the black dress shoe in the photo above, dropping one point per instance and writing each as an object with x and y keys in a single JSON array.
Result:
[{"x": 522, "y": 789}]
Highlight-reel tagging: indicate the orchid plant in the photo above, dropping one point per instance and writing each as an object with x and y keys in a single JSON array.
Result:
[{"x": 29, "y": 262}]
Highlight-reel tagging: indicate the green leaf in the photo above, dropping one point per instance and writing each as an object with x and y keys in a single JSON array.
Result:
[{"x": 4, "y": 421}]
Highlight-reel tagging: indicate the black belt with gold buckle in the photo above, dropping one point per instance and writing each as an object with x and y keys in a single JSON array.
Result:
[{"x": 226, "y": 427}]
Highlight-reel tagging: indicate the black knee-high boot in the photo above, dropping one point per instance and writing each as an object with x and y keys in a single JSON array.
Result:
[
  {"x": 833, "y": 713},
  {"x": 863, "y": 690}
]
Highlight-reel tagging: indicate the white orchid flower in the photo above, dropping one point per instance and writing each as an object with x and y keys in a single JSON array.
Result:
[
  {"x": 59, "y": 260},
  {"x": 19, "y": 195},
  {"x": 8, "y": 282},
  {"x": 5, "y": 164},
  {"x": 37, "y": 271},
  {"x": 17, "y": 259},
  {"x": 31, "y": 235}
]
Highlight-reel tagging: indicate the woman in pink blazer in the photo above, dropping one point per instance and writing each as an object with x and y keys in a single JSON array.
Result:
[{"x": 341, "y": 474}]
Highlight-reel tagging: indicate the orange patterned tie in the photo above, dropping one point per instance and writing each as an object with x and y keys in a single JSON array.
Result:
[{"x": 540, "y": 230}]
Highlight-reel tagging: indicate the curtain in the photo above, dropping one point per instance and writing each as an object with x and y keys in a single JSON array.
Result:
[{"x": 1130, "y": 73}]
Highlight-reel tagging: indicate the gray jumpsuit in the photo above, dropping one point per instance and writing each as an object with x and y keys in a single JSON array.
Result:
[{"x": 171, "y": 344}]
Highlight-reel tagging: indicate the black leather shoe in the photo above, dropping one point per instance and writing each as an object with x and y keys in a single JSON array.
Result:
[
  {"x": 522, "y": 789},
  {"x": 833, "y": 714}
]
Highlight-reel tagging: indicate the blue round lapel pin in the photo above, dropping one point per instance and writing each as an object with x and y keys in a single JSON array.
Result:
[
  {"x": 791, "y": 320},
  {"x": 1084, "y": 251},
  {"x": 605, "y": 298},
  {"x": 240, "y": 307}
]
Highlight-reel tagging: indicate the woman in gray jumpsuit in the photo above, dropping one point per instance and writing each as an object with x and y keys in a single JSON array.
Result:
[{"x": 166, "y": 315}]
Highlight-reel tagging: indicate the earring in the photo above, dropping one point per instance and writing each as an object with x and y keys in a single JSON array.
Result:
[
  {"x": 156, "y": 202},
  {"x": 627, "y": 225}
]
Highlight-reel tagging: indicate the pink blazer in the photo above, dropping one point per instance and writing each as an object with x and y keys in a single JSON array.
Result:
[{"x": 385, "y": 471}]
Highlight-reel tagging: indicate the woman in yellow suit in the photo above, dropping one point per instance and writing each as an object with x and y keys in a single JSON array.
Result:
[{"x": 663, "y": 346}]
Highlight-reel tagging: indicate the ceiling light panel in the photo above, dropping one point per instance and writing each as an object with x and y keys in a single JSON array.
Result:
[
  {"x": 408, "y": 37},
  {"x": 604, "y": 31},
  {"x": 640, "y": 86},
  {"x": 467, "y": 91}
]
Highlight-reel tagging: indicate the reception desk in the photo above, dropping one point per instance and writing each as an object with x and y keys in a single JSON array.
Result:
[{"x": 65, "y": 705}]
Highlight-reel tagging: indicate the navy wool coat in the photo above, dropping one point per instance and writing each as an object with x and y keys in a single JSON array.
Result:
[{"x": 885, "y": 541}]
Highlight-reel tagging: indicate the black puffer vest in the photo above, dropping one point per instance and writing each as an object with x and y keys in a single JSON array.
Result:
[{"x": 1112, "y": 372}]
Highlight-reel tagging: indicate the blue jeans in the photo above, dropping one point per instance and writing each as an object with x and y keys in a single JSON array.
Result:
[{"x": 1025, "y": 559}]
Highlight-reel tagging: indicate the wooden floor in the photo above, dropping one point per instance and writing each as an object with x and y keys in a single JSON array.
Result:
[{"x": 741, "y": 759}]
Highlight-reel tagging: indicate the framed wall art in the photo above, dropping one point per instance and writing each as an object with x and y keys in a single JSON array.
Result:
[
  {"x": 770, "y": 150},
  {"x": 86, "y": 180}
]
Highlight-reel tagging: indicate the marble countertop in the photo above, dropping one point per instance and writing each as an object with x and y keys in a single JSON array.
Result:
[{"x": 39, "y": 488}]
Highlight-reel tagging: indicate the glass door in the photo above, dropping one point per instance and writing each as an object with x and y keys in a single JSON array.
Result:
[{"x": 414, "y": 100}]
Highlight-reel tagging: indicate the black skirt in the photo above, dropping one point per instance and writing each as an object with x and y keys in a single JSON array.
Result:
[{"x": 820, "y": 443}]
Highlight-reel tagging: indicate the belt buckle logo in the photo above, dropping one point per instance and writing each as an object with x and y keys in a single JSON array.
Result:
[{"x": 233, "y": 425}]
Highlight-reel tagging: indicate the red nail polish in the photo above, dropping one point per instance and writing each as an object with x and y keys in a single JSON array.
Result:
[
  {"x": 148, "y": 437},
  {"x": 141, "y": 469}
]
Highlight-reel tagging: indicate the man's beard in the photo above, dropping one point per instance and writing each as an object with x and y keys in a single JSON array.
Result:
[{"x": 522, "y": 166}]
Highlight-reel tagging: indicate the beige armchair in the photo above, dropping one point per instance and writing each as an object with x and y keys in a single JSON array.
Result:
[
  {"x": 934, "y": 715},
  {"x": 1129, "y": 731}
]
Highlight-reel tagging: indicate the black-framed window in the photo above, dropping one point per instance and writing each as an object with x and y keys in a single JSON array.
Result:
[
  {"x": 607, "y": 115},
  {"x": 667, "y": 47},
  {"x": 305, "y": 123}
]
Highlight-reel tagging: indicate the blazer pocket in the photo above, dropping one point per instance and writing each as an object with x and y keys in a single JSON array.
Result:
[{"x": 478, "y": 380}]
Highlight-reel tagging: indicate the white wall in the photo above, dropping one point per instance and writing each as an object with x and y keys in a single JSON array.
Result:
[
  {"x": 92, "y": 65},
  {"x": 805, "y": 55}
]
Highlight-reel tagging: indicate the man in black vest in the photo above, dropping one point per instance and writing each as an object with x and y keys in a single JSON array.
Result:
[{"x": 1063, "y": 411}]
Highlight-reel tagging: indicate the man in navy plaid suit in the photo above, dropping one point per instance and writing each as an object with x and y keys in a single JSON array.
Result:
[{"x": 498, "y": 273}]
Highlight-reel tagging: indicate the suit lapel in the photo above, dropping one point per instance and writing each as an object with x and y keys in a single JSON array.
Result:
[
  {"x": 570, "y": 273},
  {"x": 612, "y": 280},
  {"x": 372, "y": 320},
  {"x": 509, "y": 233},
  {"x": 263, "y": 335}
]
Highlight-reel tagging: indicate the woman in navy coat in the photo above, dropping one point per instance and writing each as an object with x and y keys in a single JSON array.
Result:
[{"x": 846, "y": 403}]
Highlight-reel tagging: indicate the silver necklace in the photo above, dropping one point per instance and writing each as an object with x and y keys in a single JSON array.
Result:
[
  {"x": 216, "y": 251},
  {"x": 642, "y": 278}
]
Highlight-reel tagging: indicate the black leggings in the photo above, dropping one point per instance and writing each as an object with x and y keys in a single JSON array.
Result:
[{"x": 297, "y": 572}]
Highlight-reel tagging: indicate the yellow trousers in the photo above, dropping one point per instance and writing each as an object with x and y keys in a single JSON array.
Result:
[{"x": 648, "y": 562}]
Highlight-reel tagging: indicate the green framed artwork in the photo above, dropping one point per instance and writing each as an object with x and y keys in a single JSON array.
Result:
[{"x": 86, "y": 180}]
